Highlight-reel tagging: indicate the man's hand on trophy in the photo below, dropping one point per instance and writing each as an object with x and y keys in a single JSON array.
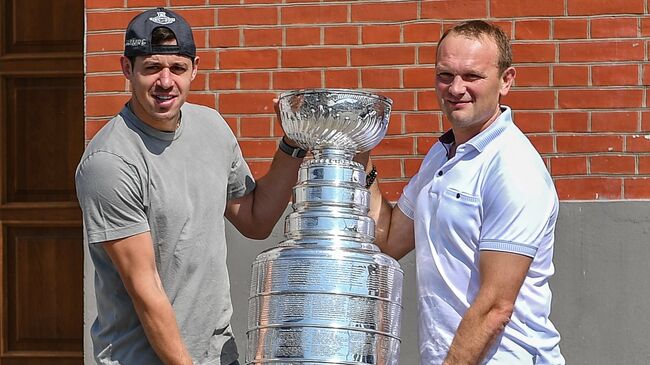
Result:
[{"x": 287, "y": 145}]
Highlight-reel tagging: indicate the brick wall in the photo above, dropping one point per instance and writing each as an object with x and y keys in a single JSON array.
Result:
[{"x": 580, "y": 93}]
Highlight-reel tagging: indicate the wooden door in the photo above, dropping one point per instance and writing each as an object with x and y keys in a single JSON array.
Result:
[{"x": 41, "y": 141}]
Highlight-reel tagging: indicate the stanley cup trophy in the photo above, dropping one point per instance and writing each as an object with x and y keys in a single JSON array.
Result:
[{"x": 327, "y": 295}]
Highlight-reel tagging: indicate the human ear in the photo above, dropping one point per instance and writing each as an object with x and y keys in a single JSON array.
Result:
[{"x": 507, "y": 78}]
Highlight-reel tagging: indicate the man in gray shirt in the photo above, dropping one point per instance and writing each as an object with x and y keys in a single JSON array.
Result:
[{"x": 154, "y": 186}]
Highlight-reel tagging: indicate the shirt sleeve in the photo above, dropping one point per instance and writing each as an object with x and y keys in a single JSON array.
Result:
[
  {"x": 110, "y": 193},
  {"x": 240, "y": 178},
  {"x": 519, "y": 211}
]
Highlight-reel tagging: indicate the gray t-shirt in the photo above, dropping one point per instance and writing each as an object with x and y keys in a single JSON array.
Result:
[{"x": 133, "y": 178}]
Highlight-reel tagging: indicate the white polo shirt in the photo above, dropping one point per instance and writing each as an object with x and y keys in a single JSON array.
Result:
[{"x": 494, "y": 194}]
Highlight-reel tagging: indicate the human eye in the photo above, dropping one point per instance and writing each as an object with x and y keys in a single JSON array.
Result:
[
  {"x": 445, "y": 77},
  {"x": 179, "y": 69}
]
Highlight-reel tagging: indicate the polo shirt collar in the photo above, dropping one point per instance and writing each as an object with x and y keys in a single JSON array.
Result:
[{"x": 483, "y": 139}]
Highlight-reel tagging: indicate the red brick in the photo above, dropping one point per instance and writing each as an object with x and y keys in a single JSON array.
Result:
[
  {"x": 303, "y": 36},
  {"x": 224, "y": 2},
  {"x": 371, "y": 56},
  {"x": 570, "y": 28},
  {"x": 646, "y": 75},
  {"x": 262, "y": 37},
  {"x": 411, "y": 166},
  {"x": 342, "y": 78},
  {"x": 645, "y": 121},
  {"x": 246, "y": 103},
  {"x": 589, "y": 143},
  {"x": 388, "y": 167},
  {"x": 637, "y": 188},
  {"x": 394, "y": 146},
  {"x": 625, "y": 121},
  {"x": 637, "y": 143},
  {"x": 384, "y": 11},
  {"x": 237, "y": 59},
  {"x": 259, "y": 168},
  {"x": 402, "y": 100},
  {"x": 530, "y": 99},
  {"x": 200, "y": 82},
  {"x": 427, "y": 55},
  {"x": 614, "y": 28},
  {"x": 105, "y": 105},
  {"x": 422, "y": 32},
  {"x": 395, "y": 125},
  {"x": 223, "y": 80},
  {"x": 391, "y": 190},
  {"x": 427, "y": 100},
  {"x": 607, "y": 51},
  {"x": 198, "y": 17},
  {"x": 247, "y": 16},
  {"x": 297, "y": 80},
  {"x": 106, "y": 83},
  {"x": 533, "y": 52},
  {"x": 342, "y": 35},
  {"x": 200, "y": 37},
  {"x": 570, "y": 75},
  {"x": 94, "y": 126},
  {"x": 109, "y": 20},
  {"x": 255, "y": 80},
  {"x": 611, "y": 164},
  {"x": 146, "y": 3},
  {"x": 314, "y": 14},
  {"x": 209, "y": 99},
  {"x": 645, "y": 26},
  {"x": 422, "y": 123},
  {"x": 589, "y": 188},
  {"x": 377, "y": 34},
  {"x": 103, "y": 63},
  {"x": 449, "y": 9},
  {"x": 104, "y": 42},
  {"x": 568, "y": 165},
  {"x": 186, "y": 2},
  {"x": 228, "y": 37},
  {"x": 419, "y": 77},
  {"x": 314, "y": 57},
  {"x": 600, "y": 99},
  {"x": 543, "y": 143},
  {"x": 258, "y": 148},
  {"x": 644, "y": 165},
  {"x": 532, "y": 29},
  {"x": 424, "y": 144},
  {"x": 600, "y": 7},
  {"x": 104, "y": 4},
  {"x": 509, "y": 8},
  {"x": 570, "y": 122},
  {"x": 532, "y": 76},
  {"x": 380, "y": 78},
  {"x": 533, "y": 122},
  {"x": 208, "y": 59},
  {"x": 255, "y": 126},
  {"x": 615, "y": 75}
]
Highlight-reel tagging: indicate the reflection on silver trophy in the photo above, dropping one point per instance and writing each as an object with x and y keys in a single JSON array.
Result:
[{"x": 327, "y": 295}]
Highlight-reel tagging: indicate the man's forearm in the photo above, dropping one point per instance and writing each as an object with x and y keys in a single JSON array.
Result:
[
  {"x": 476, "y": 334},
  {"x": 159, "y": 323}
]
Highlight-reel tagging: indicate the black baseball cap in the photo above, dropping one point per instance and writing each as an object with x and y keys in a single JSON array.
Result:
[{"x": 138, "y": 34}]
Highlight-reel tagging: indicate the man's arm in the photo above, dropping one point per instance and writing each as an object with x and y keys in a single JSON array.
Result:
[
  {"x": 255, "y": 214},
  {"x": 134, "y": 259},
  {"x": 501, "y": 277},
  {"x": 394, "y": 231}
]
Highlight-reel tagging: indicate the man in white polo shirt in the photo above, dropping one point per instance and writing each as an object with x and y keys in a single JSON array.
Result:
[{"x": 481, "y": 216}]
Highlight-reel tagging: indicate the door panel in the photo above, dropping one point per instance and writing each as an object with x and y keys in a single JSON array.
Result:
[{"x": 41, "y": 141}]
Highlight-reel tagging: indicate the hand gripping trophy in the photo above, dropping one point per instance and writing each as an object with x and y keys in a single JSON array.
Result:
[{"x": 327, "y": 295}]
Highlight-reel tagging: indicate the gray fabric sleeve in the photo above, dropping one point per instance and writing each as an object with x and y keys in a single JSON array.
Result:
[
  {"x": 111, "y": 198},
  {"x": 240, "y": 179}
]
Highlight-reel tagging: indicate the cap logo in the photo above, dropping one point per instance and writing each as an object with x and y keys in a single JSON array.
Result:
[{"x": 162, "y": 19}]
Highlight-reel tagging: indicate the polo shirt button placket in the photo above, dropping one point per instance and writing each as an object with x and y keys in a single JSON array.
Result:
[{"x": 440, "y": 173}]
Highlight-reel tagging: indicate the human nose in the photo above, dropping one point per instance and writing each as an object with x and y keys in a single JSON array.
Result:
[
  {"x": 457, "y": 86},
  {"x": 164, "y": 78}
]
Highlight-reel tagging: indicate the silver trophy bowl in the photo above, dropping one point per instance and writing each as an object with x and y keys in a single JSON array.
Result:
[
  {"x": 326, "y": 294},
  {"x": 343, "y": 119}
]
